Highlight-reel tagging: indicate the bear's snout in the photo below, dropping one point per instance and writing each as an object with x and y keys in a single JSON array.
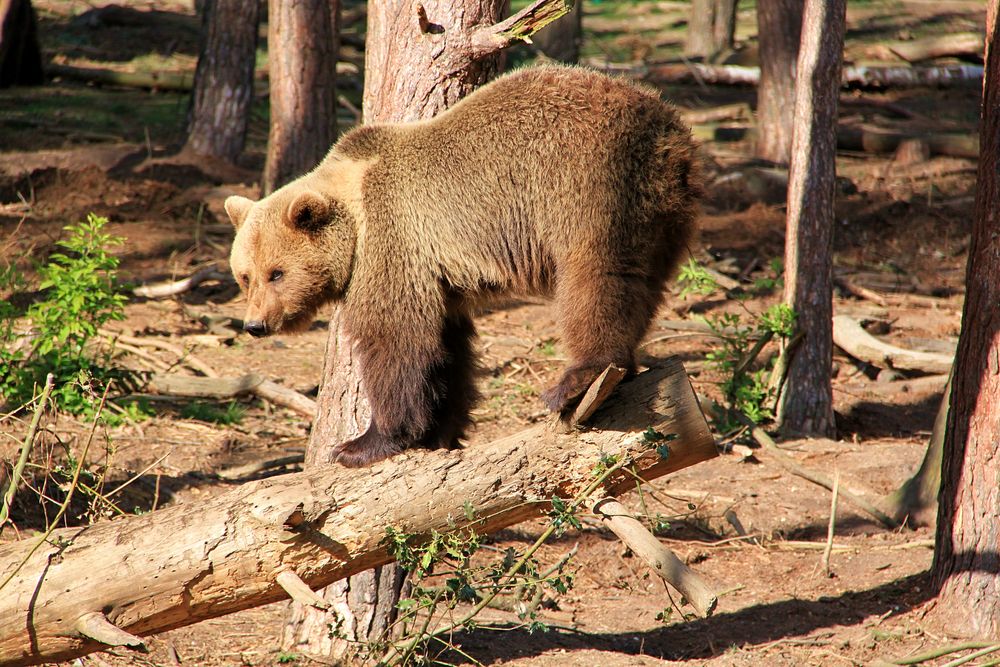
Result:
[{"x": 255, "y": 328}]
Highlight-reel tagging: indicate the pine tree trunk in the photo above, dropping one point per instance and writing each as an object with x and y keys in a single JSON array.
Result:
[
  {"x": 303, "y": 39},
  {"x": 724, "y": 29},
  {"x": 223, "y": 80},
  {"x": 410, "y": 73},
  {"x": 20, "y": 56},
  {"x": 711, "y": 28},
  {"x": 967, "y": 553},
  {"x": 700, "y": 39},
  {"x": 779, "y": 26},
  {"x": 807, "y": 401}
]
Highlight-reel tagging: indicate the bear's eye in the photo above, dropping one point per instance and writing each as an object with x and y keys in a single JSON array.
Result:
[
  {"x": 276, "y": 275},
  {"x": 245, "y": 280}
]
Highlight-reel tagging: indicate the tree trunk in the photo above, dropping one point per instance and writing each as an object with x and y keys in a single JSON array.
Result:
[
  {"x": 561, "y": 40},
  {"x": 223, "y": 80},
  {"x": 711, "y": 28},
  {"x": 779, "y": 26},
  {"x": 20, "y": 56},
  {"x": 724, "y": 29},
  {"x": 303, "y": 44},
  {"x": 916, "y": 500},
  {"x": 80, "y": 590},
  {"x": 967, "y": 552},
  {"x": 807, "y": 400}
]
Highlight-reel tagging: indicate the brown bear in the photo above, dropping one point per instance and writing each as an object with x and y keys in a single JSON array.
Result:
[{"x": 551, "y": 180}]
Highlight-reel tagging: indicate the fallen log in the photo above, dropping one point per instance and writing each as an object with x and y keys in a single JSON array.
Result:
[
  {"x": 228, "y": 387},
  {"x": 967, "y": 45},
  {"x": 860, "y": 76},
  {"x": 183, "y": 564},
  {"x": 849, "y": 336}
]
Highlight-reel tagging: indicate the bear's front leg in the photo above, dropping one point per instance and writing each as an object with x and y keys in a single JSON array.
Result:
[{"x": 366, "y": 449}]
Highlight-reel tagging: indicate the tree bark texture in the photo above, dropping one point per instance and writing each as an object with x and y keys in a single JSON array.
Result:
[
  {"x": 807, "y": 401},
  {"x": 223, "y": 80},
  {"x": 967, "y": 552},
  {"x": 711, "y": 28},
  {"x": 20, "y": 55},
  {"x": 419, "y": 59},
  {"x": 303, "y": 45},
  {"x": 779, "y": 26},
  {"x": 186, "y": 563}
]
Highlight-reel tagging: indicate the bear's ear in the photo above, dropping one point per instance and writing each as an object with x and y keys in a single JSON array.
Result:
[
  {"x": 308, "y": 212},
  {"x": 237, "y": 208}
]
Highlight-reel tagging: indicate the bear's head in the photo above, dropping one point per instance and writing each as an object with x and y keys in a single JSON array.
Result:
[{"x": 292, "y": 253}]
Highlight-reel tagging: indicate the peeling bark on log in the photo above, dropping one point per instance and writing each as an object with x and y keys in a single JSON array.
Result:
[{"x": 184, "y": 564}]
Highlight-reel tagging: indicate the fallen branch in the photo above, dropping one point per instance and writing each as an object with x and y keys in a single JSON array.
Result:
[
  {"x": 175, "y": 287},
  {"x": 963, "y": 44},
  {"x": 185, "y": 357},
  {"x": 229, "y": 387},
  {"x": 191, "y": 562},
  {"x": 662, "y": 560},
  {"x": 176, "y": 81},
  {"x": 853, "y": 339}
]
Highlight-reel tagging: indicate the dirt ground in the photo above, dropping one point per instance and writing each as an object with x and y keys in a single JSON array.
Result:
[{"x": 902, "y": 229}]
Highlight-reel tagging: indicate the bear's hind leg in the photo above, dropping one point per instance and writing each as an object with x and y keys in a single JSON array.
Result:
[{"x": 603, "y": 315}]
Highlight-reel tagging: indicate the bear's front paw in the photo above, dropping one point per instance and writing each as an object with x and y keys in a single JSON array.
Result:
[{"x": 366, "y": 450}]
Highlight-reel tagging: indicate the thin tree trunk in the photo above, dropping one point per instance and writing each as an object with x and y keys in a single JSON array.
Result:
[
  {"x": 807, "y": 401},
  {"x": 967, "y": 553},
  {"x": 223, "y": 80},
  {"x": 303, "y": 39},
  {"x": 711, "y": 28},
  {"x": 724, "y": 29},
  {"x": 916, "y": 500},
  {"x": 20, "y": 56},
  {"x": 779, "y": 26},
  {"x": 700, "y": 39}
]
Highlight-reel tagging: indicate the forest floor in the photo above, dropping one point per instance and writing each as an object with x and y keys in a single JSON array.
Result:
[{"x": 69, "y": 149}]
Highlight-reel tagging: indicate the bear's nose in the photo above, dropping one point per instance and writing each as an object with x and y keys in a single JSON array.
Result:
[{"x": 255, "y": 328}]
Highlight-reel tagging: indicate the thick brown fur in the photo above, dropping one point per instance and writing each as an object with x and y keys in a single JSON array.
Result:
[{"x": 552, "y": 180}]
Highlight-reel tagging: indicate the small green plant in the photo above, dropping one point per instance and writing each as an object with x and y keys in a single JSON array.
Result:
[
  {"x": 286, "y": 658},
  {"x": 695, "y": 279},
  {"x": 232, "y": 413},
  {"x": 747, "y": 390},
  {"x": 80, "y": 294}
]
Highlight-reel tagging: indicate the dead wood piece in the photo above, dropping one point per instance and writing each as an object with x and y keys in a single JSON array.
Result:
[
  {"x": 250, "y": 469},
  {"x": 228, "y": 387},
  {"x": 187, "y": 358},
  {"x": 299, "y": 590},
  {"x": 95, "y": 625},
  {"x": 185, "y": 566},
  {"x": 519, "y": 27},
  {"x": 175, "y": 287},
  {"x": 738, "y": 111},
  {"x": 598, "y": 392},
  {"x": 853, "y": 339},
  {"x": 662, "y": 560},
  {"x": 965, "y": 44},
  {"x": 873, "y": 76},
  {"x": 178, "y": 81}
]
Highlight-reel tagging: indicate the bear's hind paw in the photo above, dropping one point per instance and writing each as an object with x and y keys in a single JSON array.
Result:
[{"x": 365, "y": 450}]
